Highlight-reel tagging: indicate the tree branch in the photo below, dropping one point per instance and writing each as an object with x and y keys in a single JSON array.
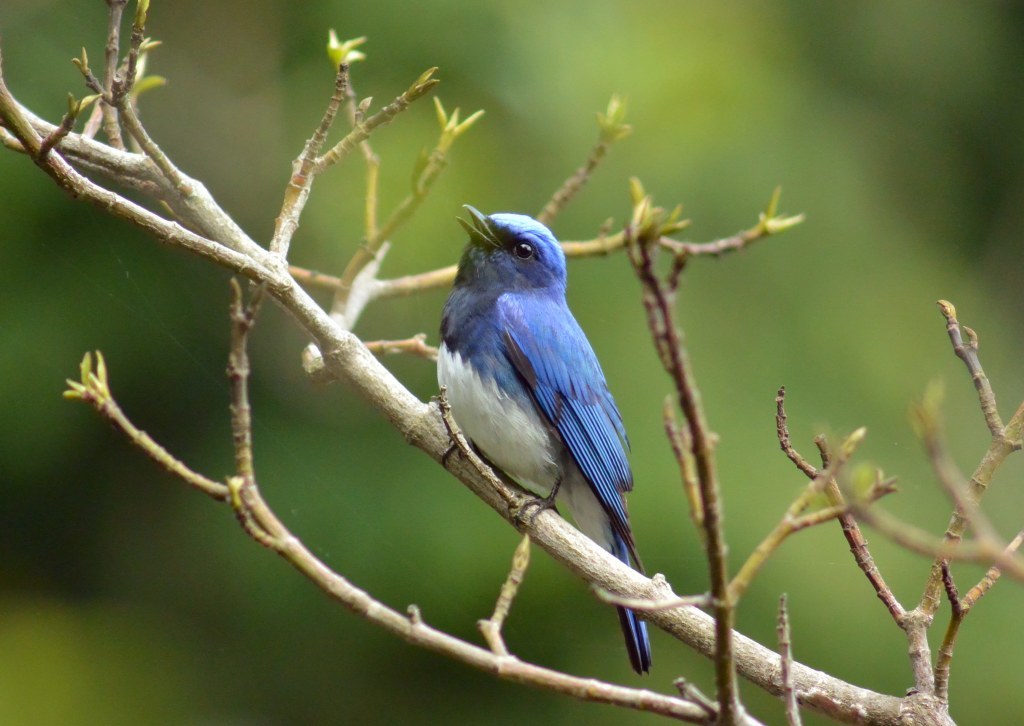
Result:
[
  {"x": 785, "y": 664},
  {"x": 612, "y": 127},
  {"x": 848, "y": 522},
  {"x": 1005, "y": 440},
  {"x": 659, "y": 299}
]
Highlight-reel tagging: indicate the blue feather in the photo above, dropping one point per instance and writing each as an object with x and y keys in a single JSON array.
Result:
[{"x": 568, "y": 385}]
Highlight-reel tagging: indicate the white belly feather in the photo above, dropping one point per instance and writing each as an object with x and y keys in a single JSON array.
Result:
[
  {"x": 518, "y": 442},
  {"x": 513, "y": 437}
]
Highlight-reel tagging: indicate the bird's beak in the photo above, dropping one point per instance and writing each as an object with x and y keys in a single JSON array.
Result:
[{"x": 478, "y": 227}]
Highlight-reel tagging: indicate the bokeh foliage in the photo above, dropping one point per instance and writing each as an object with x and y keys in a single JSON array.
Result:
[{"x": 125, "y": 598}]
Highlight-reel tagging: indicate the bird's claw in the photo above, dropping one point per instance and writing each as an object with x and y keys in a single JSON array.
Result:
[
  {"x": 452, "y": 448},
  {"x": 538, "y": 505}
]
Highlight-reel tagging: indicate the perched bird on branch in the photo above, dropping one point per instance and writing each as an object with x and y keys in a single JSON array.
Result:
[{"x": 526, "y": 389}]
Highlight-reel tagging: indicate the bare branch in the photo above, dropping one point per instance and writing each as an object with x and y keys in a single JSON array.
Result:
[
  {"x": 968, "y": 353},
  {"x": 769, "y": 223},
  {"x": 679, "y": 440},
  {"x": 782, "y": 430},
  {"x": 694, "y": 695},
  {"x": 491, "y": 627},
  {"x": 416, "y": 345},
  {"x": 668, "y": 603},
  {"x": 1005, "y": 440},
  {"x": 960, "y": 608},
  {"x": 243, "y": 317},
  {"x": 111, "y": 126},
  {"x": 602, "y": 245},
  {"x": 915, "y": 539},
  {"x": 314, "y": 278},
  {"x": 786, "y": 665},
  {"x": 67, "y": 123},
  {"x": 794, "y": 518},
  {"x": 363, "y": 129},
  {"x": 925, "y": 416},
  {"x": 851, "y": 530},
  {"x": 612, "y": 127},
  {"x": 990, "y": 578},
  {"x": 301, "y": 181},
  {"x": 199, "y": 211},
  {"x": 358, "y": 284},
  {"x": 659, "y": 303},
  {"x": 93, "y": 388}
]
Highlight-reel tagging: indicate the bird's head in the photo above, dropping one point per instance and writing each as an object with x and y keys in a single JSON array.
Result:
[{"x": 510, "y": 252}]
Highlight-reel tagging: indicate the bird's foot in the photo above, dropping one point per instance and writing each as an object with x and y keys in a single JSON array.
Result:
[
  {"x": 452, "y": 448},
  {"x": 531, "y": 509}
]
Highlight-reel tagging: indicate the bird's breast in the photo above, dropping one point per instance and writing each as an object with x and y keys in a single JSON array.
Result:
[{"x": 501, "y": 421}]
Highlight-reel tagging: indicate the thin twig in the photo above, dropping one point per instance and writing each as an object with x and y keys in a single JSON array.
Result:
[
  {"x": 111, "y": 126},
  {"x": 769, "y": 223},
  {"x": 314, "y": 278},
  {"x": 602, "y": 245},
  {"x": 243, "y": 484},
  {"x": 491, "y": 627},
  {"x": 93, "y": 388},
  {"x": 679, "y": 440},
  {"x": 659, "y": 304},
  {"x": 782, "y": 431},
  {"x": 243, "y": 317},
  {"x": 612, "y": 128},
  {"x": 120, "y": 86},
  {"x": 786, "y": 665},
  {"x": 851, "y": 530},
  {"x": 120, "y": 97},
  {"x": 371, "y": 196},
  {"x": 925, "y": 416},
  {"x": 667, "y": 603},
  {"x": 363, "y": 129},
  {"x": 990, "y": 578},
  {"x": 67, "y": 123},
  {"x": 372, "y": 250},
  {"x": 694, "y": 695},
  {"x": 944, "y": 657},
  {"x": 915, "y": 539},
  {"x": 968, "y": 353},
  {"x": 950, "y": 585},
  {"x": 960, "y": 608},
  {"x": 356, "y": 112},
  {"x": 296, "y": 192},
  {"x": 459, "y": 442},
  {"x": 794, "y": 519},
  {"x": 416, "y": 345},
  {"x": 1005, "y": 440},
  {"x": 342, "y": 52}
]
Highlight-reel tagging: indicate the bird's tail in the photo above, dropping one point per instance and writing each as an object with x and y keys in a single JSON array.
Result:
[{"x": 633, "y": 628}]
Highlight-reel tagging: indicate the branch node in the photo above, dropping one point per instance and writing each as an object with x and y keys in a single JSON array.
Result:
[
  {"x": 414, "y": 615},
  {"x": 689, "y": 692}
]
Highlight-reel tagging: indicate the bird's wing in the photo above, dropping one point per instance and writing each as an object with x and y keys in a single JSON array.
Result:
[{"x": 559, "y": 368}]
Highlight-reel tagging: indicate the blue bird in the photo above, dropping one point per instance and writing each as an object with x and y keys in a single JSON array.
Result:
[{"x": 525, "y": 386}]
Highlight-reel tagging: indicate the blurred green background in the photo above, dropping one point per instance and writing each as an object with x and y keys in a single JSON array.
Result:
[{"x": 126, "y": 598}]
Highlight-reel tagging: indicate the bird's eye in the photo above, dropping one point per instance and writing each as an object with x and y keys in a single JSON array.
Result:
[{"x": 523, "y": 250}]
